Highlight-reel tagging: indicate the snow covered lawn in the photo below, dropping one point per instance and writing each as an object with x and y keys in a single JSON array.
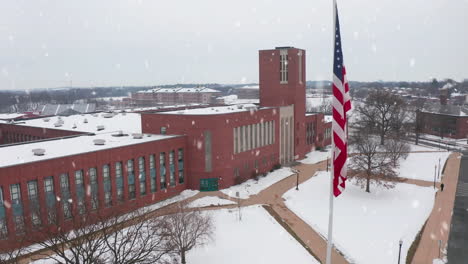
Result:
[
  {"x": 258, "y": 239},
  {"x": 316, "y": 156},
  {"x": 252, "y": 187},
  {"x": 208, "y": 201},
  {"x": 420, "y": 166},
  {"x": 367, "y": 227}
]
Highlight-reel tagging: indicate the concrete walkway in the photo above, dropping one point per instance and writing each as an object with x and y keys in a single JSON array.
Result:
[{"x": 438, "y": 224}]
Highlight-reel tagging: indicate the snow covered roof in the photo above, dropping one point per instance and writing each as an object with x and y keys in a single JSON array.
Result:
[
  {"x": 130, "y": 122},
  {"x": 23, "y": 153},
  {"x": 181, "y": 90},
  {"x": 10, "y": 116},
  {"x": 250, "y": 87},
  {"x": 50, "y": 109},
  {"x": 215, "y": 110}
]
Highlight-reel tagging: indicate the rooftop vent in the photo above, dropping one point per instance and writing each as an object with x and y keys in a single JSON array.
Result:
[
  {"x": 46, "y": 119},
  {"x": 95, "y": 115},
  {"x": 107, "y": 115},
  {"x": 137, "y": 136},
  {"x": 100, "y": 127},
  {"x": 38, "y": 152},
  {"x": 99, "y": 142},
  {"x": 57, "y": 124},
  {"x": 119, "y": 134},
  {"x": 85, "y": 120},
  {"x": 74, "y": 126}
]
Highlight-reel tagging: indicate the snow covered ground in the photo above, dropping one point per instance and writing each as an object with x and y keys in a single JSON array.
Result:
[
  {"x": 316, "y": 156},
  {"x": 421, "y": 166},
  {"x": 252, "y": 187},
  {"x": 367, "y": 226},
  {"x": 208, "y": 201},
  {"x": 258, "y": 239},
  {"x": 422, "y": 148}
]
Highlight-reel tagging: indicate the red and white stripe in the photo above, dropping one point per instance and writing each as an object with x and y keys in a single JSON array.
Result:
[{"x": 341, "y": 105}]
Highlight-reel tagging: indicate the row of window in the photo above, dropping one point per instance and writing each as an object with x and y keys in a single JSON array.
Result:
[
  {"x": 15, "y": 137},
  {"x": 310, "y": 133},
  {"x": 256, "y": 164},
  {"x": 283, "y": 66},
  {"x": 92, "y": 190},
  {"x": 253, "y": 136}
]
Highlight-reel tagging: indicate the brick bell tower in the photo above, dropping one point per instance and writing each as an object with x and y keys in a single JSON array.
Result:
[{"x": 282, "y": 83}]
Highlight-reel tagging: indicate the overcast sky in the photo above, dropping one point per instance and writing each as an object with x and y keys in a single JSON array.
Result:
[{"x": 122, "y": 42}]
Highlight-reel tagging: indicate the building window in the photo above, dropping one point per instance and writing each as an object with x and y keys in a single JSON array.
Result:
[
  {"x": 172, "y": 180},
  {"x": 152, "y": 165},
  {"x": 283, "y": 66},
  {"x": 50, "y": 199},
  {"x": 131, "y": 179},
  {"x": 142, "y": 176},
  {"x": 65, "y": 190},
  {"x": 79, "y": 185},
  {"x": 106, "y": 180},
  {"x": 15, "y": 193},
  {"x": 180, "y": 165},
  {"x": 18, "y": 220},
  {"x": 235, "y": 140},
  {"x": 236, "y": 172},
  {"x": 34, "y": 203},
  {"x": 94, "y": 188},
  {"x": 254, "y": 141},
  {"x": 162, "y": 168},
  {"x": 207, "y": 136},
  {"x": 119, "y": 181},
  {"x": 241, "y": 137},
  {"x": 163, "y": 130},
  {"x": 3, "y": 225}
]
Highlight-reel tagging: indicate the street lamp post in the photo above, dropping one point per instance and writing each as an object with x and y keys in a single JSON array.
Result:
[
  {"x": 399, "y": 251},
  {"x": 297, "y": 178},
  {"x": 435, "y": 174}
]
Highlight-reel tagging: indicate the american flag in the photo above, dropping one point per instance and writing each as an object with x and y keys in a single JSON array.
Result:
[{"x": 341, "y": 105}]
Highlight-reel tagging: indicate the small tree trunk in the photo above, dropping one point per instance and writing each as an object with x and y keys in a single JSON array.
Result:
[
  {"x": 382, "y": 138},
  {"x": 182, "y": 257},
  {"x": 368, "y": 183}
]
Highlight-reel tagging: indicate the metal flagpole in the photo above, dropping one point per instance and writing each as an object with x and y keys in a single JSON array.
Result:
[{"x": 332, "y": 174}]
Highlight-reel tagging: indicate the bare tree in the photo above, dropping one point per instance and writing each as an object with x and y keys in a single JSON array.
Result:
[
  {"x": 373, "y": 161},
  {"x": 382, "y": 113},
  {"x": 82, "y": 244},
  {"x": 136, "y": 238},
  {"x": 13, "y": 256},
  {"x": 187, "y": 229},
  {"x": 116, "y": 238}
]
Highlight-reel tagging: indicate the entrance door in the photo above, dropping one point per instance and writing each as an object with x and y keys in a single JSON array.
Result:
[{"x": 209, "y": 184}]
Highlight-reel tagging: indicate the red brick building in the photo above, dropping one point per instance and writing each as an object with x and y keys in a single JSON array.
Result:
[
  {"x": 87, "y": 161},
  {"x": 171, "y": 96}
]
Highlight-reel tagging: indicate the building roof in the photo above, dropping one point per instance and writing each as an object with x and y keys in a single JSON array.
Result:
[
  {"x": 10, "y": 116},
  {"x": 130, "y": 122},
  {"x": 215, "y": 110},
  {"x": 437, "y": 108},
  {"x": 180, "y": 90},
  {"x": 62, "y": 147},
  {"x": 51, "y": 109}
]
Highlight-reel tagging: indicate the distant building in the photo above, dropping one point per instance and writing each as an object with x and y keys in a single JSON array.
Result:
[
  {"x": 163, "y": 96},
  {"x": 247, "y": 92},
  {"x": 444, "y": 120}
]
